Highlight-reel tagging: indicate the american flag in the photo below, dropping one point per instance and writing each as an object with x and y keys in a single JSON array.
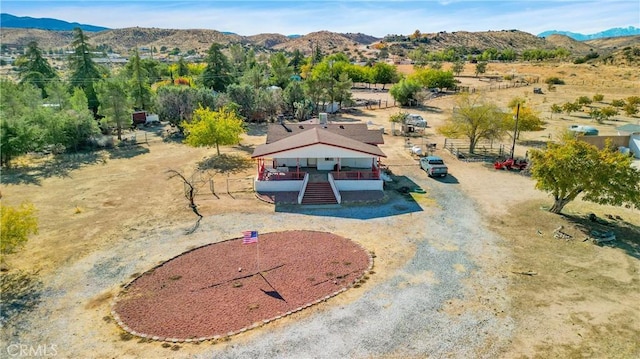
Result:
[{"x": 249, "y": 237}]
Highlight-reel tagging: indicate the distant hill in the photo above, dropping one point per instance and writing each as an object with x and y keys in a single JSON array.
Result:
[
  {"x": 358, "y": 47},
  {"x": 615, "y": 32},
  {"x": 26, "y": 22}
]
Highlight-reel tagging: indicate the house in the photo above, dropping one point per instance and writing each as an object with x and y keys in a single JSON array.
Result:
[
  {"x": 320, "y": 162},
  {"x": 627, "y": 140}
]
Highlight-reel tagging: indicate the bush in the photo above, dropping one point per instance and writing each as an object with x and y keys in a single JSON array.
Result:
[{"x": 554, "y": 81}]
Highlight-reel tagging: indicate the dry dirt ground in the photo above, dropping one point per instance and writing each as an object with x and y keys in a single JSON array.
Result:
[{"x": 580, "y": 301}]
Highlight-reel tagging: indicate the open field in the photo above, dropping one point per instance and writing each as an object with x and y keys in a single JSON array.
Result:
[{"x": 473, "y": 261}]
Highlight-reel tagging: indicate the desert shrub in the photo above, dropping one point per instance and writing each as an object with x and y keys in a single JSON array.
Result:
[
  {"x": 617, "y": 103},
  {"x": 598, "y": 97},
  {"x": 554, "y": 81}
]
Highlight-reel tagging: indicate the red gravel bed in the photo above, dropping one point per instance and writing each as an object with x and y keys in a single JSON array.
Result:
[{"x": 216, "y": 290}]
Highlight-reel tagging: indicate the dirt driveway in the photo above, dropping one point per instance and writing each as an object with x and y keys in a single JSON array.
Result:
[{"x": 449, "y": 264}]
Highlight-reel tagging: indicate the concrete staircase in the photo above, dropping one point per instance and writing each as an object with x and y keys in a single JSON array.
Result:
[{"x": 318, "y": 193}]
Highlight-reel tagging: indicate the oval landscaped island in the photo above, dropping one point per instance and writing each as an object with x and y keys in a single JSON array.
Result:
[{"x": 228, "y": 287}]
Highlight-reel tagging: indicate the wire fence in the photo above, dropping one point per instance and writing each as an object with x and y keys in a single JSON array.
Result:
[{"x": 484, "y": 151}]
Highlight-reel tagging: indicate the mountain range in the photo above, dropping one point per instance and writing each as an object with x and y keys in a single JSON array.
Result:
[
  {"x": 25, "y": 22},
  {"x": 615, "y": 32}
]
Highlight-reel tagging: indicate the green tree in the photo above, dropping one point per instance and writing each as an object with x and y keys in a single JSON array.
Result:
[
  {"x": 457, "y": 67},
  {"x": 481, "y": 68},
  {"x": 383, "y": 73},
  {"x": 245, "y": 96},
  {"x": 583, "y": 101},
  {"x": 281, "y": 71},
  {"x": 177, "y": 103},
  {"x": 58, "y": 94},
  {"x": 218, "y": 74},
  {"x": 633, "y": 100},
  {"x": 78, "y": 123},
  {"x": 84, "y": 71},
  {"x": 630, "y": 109},
  {"x": 182, "y": 68},
  {"x": 405, "y": 91},
  {"x": 617, "y": 103},
  {"x": 293, "y": 93},
  {"x": 573, "y": 167},
  {"x": 34, "y": 68},
  {"x": 399, "y": 117},
  {"x": 570, "y": 107},
  {"x": 139, "y": 83},
  {"x": 475, "y": 119},
  {"x": 431, "y": 78},
  {"x": 213, "y": 128},
  {"x": 18, "y": 223},
  {"x": 115, "y": 105},
  {"x": 17, "y": 133},
  {"x": 296, "y": 60},
  {"x": 342, "y": 89}
]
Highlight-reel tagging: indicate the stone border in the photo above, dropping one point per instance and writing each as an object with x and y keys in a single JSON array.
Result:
[{"x": 255, "y": 325}]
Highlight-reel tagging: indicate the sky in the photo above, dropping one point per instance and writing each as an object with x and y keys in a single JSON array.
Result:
[{"x": 372, "y": 17}]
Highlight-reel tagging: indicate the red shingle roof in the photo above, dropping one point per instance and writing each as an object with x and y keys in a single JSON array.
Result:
[
  {"x": 356, "y": 131},
  {"x": 313, "y": 136}
]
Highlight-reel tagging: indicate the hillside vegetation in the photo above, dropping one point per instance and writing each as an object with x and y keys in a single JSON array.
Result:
[{"x": 198, "y": 41}]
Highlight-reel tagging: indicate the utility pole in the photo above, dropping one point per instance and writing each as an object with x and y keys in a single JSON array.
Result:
[
  {"x": 331, "y": 68},
  {"x": 515, "y": 131}
]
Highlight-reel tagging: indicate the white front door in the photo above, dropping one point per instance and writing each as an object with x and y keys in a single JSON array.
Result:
[{"x": 312, "y": 162}]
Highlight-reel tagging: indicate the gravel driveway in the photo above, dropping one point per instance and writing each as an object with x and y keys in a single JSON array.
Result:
[{"x": 434, "y": 293}]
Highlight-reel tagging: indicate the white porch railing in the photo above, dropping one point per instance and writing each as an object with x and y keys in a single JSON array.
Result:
[
  {"x": 303, "y": 188},
  {"x": 334, "y": 188}
]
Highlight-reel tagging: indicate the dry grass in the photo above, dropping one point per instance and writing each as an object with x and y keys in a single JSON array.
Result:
[{"x": 582, "y": 303}]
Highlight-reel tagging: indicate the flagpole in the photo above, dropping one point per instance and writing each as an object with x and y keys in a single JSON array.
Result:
[{"x": 258, "y": 255}]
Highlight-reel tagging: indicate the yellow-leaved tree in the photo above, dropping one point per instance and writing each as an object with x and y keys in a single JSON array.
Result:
[
  {"x": 16, "y": 226},
  {"x": 213, "y": 128}
]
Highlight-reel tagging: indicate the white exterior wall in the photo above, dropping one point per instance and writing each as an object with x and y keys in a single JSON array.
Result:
[
  {"x": 326, "y": 163},
  {"x": 361, "y": 185},
  {"x": 634, "y": 145},
  {"x": 291, "y": 162},
  {"x": 277, "y": 186},
  {"x": 356, "y": 162}
]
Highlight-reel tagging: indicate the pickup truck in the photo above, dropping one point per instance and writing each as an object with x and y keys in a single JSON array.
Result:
[{"x": 434, "y": 166}]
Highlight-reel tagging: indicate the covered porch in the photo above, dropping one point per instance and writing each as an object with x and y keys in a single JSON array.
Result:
[{"x": 319, "y": 162}]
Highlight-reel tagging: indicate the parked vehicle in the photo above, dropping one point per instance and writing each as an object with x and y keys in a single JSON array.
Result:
[
  {"x": 434, "y": 166},
  {"x": 584, "y": 130},
  {"x": 511, "y": 164},
  {"x": 415, "y": 120}
]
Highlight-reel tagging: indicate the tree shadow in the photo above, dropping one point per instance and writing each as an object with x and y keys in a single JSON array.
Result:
[
  {"x": 245, "y": 148},
  {"x": 627, "y": 235},
  {"x": 21, "y": 292},
  {"x": 225, "y": 163},
  {"x": 127, "y": 151},
  {"x": 60, "y": 166},
  {"x": 534, "y": 143},
  {"x": 256, "y": 129}
]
